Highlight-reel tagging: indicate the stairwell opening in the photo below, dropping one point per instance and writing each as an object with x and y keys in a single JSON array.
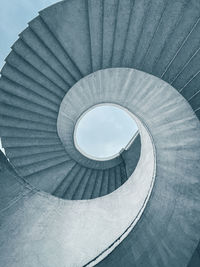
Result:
[{"x": 104, "y": 131}]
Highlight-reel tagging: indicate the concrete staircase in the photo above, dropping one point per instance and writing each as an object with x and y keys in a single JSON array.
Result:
[{"x": 70, "y": 40}]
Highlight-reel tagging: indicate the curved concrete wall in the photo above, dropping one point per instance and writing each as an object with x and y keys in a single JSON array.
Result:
[{"x": 132, "y": 155}]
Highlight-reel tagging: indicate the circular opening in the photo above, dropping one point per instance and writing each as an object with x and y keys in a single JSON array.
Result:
[{"x": 103, "y": 131}]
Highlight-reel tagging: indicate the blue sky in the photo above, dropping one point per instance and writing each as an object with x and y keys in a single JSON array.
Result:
[
  {"x": 104, "y": 131},
  {"x": 14, "y": 16},
  {"x": 109, "y": 126}
]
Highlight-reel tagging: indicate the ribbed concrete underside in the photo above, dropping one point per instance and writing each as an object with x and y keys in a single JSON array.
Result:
[
  {"x": 65, "y": 43},
  {"x": 71, "y": 224},
  {"x": 70, "y": 40}
]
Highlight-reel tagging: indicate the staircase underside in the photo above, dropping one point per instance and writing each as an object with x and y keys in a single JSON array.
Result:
[{"x": 52, "y": 71}]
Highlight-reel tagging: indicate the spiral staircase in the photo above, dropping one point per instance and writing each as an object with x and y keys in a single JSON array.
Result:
[{"x": 143, "y": 55}]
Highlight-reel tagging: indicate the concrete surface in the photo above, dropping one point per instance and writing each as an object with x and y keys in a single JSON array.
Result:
[
  {"x": 66, "y": 42},
  {"x": 71, "y": 223}
]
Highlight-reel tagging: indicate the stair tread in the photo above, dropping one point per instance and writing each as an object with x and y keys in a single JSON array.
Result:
[
  {"x": 42, "y": 30},
  {"x": 118, "y": 178},
  {"x": 87, "y": 194},
  {"x": 134, "y": 31},
  {"x": 6, "y": 131},
  {"x": 19, "y": 79},
  {"x": 150, "y": 26},
  {"x": 109, "y": 25},
  {"x": 95, "y": 13},
  {"x": 122, "y": 24},
  {"x": 11, "y": 99},
  {"x": 21, "y": 161},
  {"x": 48, "y": 179},
  {"x": 188, "y": 73},
  {"x": 42, "y": 165},
  {"x": 104, "y": 183},
  {"x": 175, "y": 52},
  {"x": 111, "y": 180},
  {"x": 77, "y": 34},
  {"x": 20, "y": 113},
  {"x": 25, "y": 141},
  {"x": 32, "y": 57},
  {"x": 65, "y": 183},
  {"x": 73, "y": 186},
  {"x": 30, "y": 150},
  {"x": 78, "y": 189},
  {"x": 35, "y": 76},
  {"x": 8, "y": 121},
  {"x": 170, "y": 19},
  {"x": 98, "y": 181},
  {"x": 38, "y": 46}
]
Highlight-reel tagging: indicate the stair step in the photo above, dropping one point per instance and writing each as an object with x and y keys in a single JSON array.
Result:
[
  {"x": 15, "y": 77},
  {"x": 169, "y": 21},
  {"x": 188, "y": 73},
  {"x": 74, "y": 185},
  {"x": 194, "y": 102},
  {"x": 104, "y": 183},
  {"x": 184, "y": 63},
  {"x": 37, "y": 45},
  {"x": 31, "y": 57},
  {"x": 19, "y": 102},
  {"x": 111, "y": 180},
  {"x": 26, "y": 151},
  {"x": 87, "y": 194},
  {"x": 35, "y": 76},
  {"x": 67, "y": 180},
  {"x": 40, "y": 166},
  {"x": 77, "y": 31},
  {"x": 191, "y": 88},
  {"x": 18, "y": 112},
  {"x": 6, "y": 121},
  {"x": 121, "y": 30},
  {"x": 20, "y": 132},
  {"x": 150, "y": 26},
  {"x": 180, "y": 43},
  {"x": 118, "y": 178},
  {"x": 136, "y": 22},
  {"x": 95, "y": 13},
  {"x": 123, "y": 173},
  {"x": 76, "y": 189},
  {"x": 78, "y": 194},
  {"x": 98, "y": 181},
  {"x": 48, "y": 179},
  {"x": 25, "y": 141},
  {"x": 109, "y": 26},
  {"x": 13, "y": 88},
  {"x": 41, "y": 29},
  {"x": 24, "y": 160}
]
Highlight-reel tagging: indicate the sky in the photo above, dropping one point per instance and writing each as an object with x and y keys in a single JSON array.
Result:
[
  {"x": 14, "y": 16},
  {"x": 108, "y": 128},
  {"x": 103, "y": 131}
]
